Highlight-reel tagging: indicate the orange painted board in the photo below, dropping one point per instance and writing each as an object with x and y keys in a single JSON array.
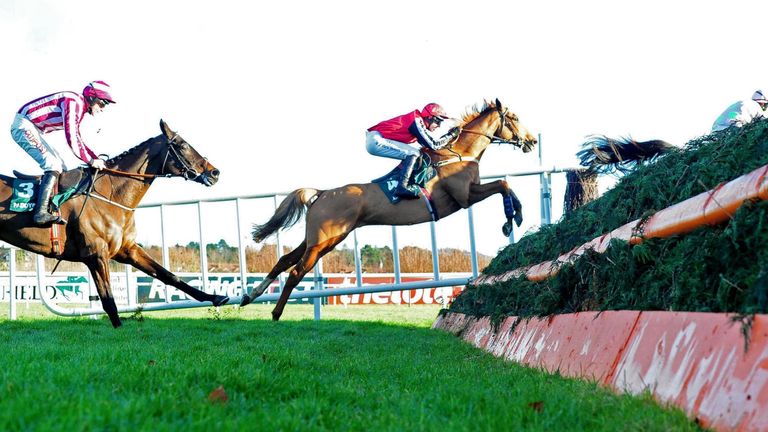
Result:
[
  {"x": 576, "y": 345},
  {"x": 452, "y": 322},
  {"x": 711, "y": 207},
  {"x": 697, "y": 361}
]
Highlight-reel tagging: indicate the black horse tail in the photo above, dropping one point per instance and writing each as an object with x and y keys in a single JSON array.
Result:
[
  {"x": 581, "y": 189},
  {"x": 287, "y": 214},
  {"x": 604, "y": 155}
]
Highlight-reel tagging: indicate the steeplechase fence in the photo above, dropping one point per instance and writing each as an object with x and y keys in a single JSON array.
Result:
[{"x": 707, "y": 364}]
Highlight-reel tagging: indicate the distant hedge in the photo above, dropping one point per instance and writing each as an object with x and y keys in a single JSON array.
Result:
[{"x": 721, "y": 269}]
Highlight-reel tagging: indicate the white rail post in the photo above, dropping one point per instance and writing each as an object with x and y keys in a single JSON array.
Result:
[
  {"x": 318, "y": 286},
  {"x": 472, "y": 243},
  {"x": 395, "y": 255},
  {"x": 358, "y": 261},
  {"x": 166, "y": 255},
  {"x": 130, "y": 290},
  {"x": 435, "y": 257},
  {"x": 279, "y": 251},
  {"x": 40, "y": 268},
  {"x": 241, "y": 249},
  {"x": 546, "y": 194},
  {"x": 203, "y": 249},
  {"x": 12, "y": 282}
]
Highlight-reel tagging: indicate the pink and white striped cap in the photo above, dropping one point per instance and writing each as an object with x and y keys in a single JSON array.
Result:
[{"x": 98, "y": 89}]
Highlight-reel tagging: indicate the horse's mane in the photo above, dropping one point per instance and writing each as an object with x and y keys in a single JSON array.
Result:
[
  {"x": 130, "y": 151},
  {"x": 474, "y": 111}
]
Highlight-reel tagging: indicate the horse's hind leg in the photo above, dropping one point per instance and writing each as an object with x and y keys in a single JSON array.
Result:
[
  {"x": 305, "y": 264},
  {"x": 139, "y": 258},
  {"x": 99, "y": 268},
  {"x": 284, "y": 263}
]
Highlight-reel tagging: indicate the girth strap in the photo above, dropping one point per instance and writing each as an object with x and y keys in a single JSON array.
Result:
[{"x": 444, "y": 162}]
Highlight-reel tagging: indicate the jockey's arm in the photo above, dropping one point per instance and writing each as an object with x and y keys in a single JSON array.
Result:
[
  {"x": 426, "y": 137},
  {"x": 72, "y": 132}
]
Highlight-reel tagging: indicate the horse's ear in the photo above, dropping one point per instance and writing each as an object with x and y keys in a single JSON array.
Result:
[
  {"x": 166, "y": 129},
  {"x": 498, "y": 104}
]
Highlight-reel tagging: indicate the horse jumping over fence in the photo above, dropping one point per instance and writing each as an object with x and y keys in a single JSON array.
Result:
[
  {"x": 101, "y": 224},
  {"x": 332, "y": 214},
  {"x": 603, "y": 155}
]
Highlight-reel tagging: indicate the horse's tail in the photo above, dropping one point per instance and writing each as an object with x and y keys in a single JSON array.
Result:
[
  {"x": 602, "y": 155},
  {"x": 287, "y": 214},
  {"x": 581, "y": 188}
]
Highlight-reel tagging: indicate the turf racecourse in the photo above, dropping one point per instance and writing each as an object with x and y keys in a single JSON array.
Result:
[{"x": 361, "y": 368}]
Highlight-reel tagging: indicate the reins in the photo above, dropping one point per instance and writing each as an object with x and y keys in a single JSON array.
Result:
[
  {"x": 186, "y": 170},
  {"x": 130, "y": 174}
]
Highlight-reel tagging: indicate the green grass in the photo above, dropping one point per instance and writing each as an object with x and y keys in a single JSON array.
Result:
[{"x": 361, "y": 368}]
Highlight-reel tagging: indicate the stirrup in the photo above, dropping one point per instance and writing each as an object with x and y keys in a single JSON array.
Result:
[
  {"x": 46, "y": 219},
  {"x": 405, "y": 193}
]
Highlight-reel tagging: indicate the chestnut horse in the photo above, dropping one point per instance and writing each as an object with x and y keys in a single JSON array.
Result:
[
  {"x": 332, "y": 214},
  {"x": 100, "y": 224}
]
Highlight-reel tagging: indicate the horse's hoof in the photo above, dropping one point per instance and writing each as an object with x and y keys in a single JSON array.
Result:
[
  {"x": 220, "y": 300},
  {"x": 245, "y": 301},
  {"x": 506, "y": 229},
  {"x": 518, "y": 218}
]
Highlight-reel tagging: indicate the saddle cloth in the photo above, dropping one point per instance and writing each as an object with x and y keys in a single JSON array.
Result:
[{"x": 25, "y": 188}]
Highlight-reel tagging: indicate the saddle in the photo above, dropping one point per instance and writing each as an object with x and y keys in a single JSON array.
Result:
[
  {"x": 422, "y": 173},
  {"x": 67, "y": 179}
]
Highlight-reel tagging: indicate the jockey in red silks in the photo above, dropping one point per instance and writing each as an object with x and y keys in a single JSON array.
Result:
[
  {"x": 390, "y": 139},
  {"x": 64, "y": 110}
]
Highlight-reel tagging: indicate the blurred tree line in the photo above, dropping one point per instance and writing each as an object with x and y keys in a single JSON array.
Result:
[{"x": 223, "y": 258}]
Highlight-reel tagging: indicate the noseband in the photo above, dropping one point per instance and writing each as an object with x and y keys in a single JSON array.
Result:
[{"x": 187, "y": 171}]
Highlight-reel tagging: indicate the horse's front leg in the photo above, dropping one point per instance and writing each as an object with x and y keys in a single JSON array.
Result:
[
  {"x": 513, "y": 209},
  {"x": 99, "y": 267},
  {"x": 139, "y": 258}
]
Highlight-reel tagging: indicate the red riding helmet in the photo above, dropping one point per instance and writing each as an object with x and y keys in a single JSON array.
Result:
[
  {"x": 434, "y": 110},
  {"x": 99, "y": 90}
]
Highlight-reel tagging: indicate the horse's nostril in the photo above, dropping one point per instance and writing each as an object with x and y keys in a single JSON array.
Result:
[{"x": 215, "y": 173}]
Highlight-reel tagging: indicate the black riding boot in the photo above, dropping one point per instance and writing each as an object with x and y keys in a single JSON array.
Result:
[
  {"x": 402, "y": 190},
  {"x": 42, "y": 215}
]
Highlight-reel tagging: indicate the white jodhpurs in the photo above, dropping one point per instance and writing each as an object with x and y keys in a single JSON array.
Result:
[
  {"x": 377, "y": 145},
  {"x": 28, "y": 137}
]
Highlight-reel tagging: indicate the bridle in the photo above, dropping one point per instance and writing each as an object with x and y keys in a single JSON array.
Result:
[
  {"x": 493, "y": 138},
  {"x": 187, "y": 172}
]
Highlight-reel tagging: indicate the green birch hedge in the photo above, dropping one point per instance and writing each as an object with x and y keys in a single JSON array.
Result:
[{"x": 713, "y": 269}]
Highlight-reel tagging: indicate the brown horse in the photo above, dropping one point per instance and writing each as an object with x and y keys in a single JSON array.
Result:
[
  {"x": 100, "y": 223},
  {"x": 333, "y": 214}
]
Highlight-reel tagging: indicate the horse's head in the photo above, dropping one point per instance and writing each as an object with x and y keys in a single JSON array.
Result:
[
  {"x": 511, "y": 131},
  {"x": 492, "y": 123},
  {"x": 182, "y": 160}
]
